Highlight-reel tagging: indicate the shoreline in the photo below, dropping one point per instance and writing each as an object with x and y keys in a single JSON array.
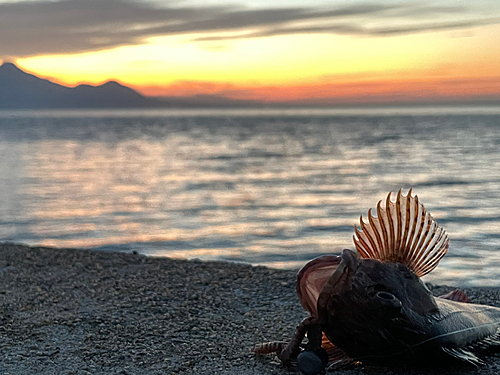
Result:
[{"x": 71, "y": 311}]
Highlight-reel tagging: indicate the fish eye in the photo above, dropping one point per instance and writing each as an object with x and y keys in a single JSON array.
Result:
[
  {"x": 388, "y": 300},
  {"x": 385, "y": 295},
  {"x": 374, "y": 289}
]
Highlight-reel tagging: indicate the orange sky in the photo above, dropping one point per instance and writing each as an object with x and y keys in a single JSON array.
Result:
[{"x": 344, "y": 51}]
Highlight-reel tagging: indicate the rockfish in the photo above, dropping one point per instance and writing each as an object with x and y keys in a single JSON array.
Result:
[{"x": 372, "y": 307}]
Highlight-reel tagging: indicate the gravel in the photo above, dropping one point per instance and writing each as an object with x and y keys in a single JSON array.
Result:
[{"x": 68, "y": 311}]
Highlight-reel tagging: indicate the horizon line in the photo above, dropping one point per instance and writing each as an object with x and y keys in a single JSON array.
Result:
[{"x": 360, "y": 100}]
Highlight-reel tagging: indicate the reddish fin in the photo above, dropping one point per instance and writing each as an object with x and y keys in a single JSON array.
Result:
[
  {"x": 311, "y": 279},
  {"x": 457, "y": 295},
  {"x": 336, "y": 357},
  {"x": 403, "y": 232}
]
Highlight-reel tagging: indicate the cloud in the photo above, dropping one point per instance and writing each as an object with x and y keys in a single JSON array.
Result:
[
  {"x": 352, "y": 29},
  {"x": 69, "y": 26}
]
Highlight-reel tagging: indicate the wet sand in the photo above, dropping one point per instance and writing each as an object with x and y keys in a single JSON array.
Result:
[{"x": 70, "y": 311}]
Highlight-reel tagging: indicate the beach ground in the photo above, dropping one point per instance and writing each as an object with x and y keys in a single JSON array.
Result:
[{"x": 68, "y": 311}]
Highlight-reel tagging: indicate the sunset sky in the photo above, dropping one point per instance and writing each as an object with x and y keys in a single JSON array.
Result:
[{"x": 309, "y": 51}]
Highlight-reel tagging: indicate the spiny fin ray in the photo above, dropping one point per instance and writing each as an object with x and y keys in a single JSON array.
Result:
[
  {"x": 464, "y": 355},
  {"x": 337, "y": 359},
  {"x": 402, "y": 232}
]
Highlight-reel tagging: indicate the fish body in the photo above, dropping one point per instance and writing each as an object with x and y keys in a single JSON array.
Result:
[
  {"x": 382, "y": 312},
  {"x": 371, "y": 306},
  {"x": 461, "y": 324}
]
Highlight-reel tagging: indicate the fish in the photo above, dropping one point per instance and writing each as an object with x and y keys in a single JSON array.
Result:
[{"x": 370, "y": 306}]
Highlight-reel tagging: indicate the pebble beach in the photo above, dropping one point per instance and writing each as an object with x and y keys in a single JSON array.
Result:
[{"x": 69, "y": 311}]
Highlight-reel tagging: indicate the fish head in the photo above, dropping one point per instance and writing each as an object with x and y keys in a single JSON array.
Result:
[{"x": 369, "y": 307}]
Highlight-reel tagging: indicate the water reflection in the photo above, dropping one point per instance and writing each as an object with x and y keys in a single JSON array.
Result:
[{"x": 267, "y": 190}]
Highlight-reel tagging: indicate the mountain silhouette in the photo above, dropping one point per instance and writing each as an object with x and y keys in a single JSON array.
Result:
[{"x": 20, "y": 90}]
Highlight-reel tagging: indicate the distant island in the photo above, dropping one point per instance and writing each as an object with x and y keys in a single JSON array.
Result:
[{"x": 21, "y": 90}]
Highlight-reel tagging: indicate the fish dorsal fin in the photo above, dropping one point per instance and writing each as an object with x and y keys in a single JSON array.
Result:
[{"x": 402, "y": 232}]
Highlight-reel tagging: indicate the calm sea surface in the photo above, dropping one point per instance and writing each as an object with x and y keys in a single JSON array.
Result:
[{"x": 270, "y": 187}]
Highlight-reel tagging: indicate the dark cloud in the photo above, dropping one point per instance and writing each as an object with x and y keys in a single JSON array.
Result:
[
  {"x": 40, "y": 27},
  {"x": 352, "y": 29},
  {"x": 433, "y": 27}
]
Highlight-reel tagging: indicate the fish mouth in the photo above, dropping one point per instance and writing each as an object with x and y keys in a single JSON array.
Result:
[
  {"x": 350, "y": 259},
  {"x": 340, "y": 281}
]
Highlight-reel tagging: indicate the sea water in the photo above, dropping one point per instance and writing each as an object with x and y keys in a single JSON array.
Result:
[{"x": 273, "y": 187}]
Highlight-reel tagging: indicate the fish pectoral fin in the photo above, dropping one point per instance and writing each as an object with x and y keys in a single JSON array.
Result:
[
  {"x": 311, "y": 279},
  {"x": 402, "y": 232},
  {"x": 337, "y": 359},
  {"x": 463, "y": 355},
  {"x": 457, "y": 295}
]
